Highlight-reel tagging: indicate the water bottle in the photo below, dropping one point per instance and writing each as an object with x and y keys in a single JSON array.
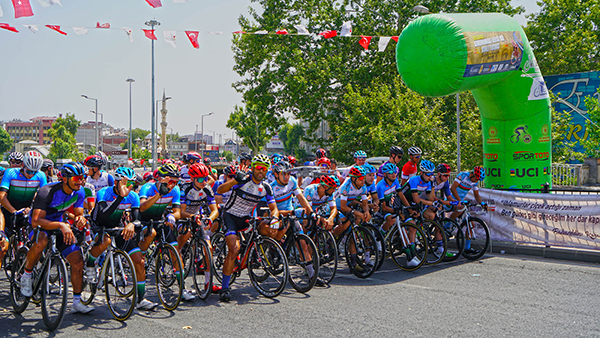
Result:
[{"x": 101, "y": 259}]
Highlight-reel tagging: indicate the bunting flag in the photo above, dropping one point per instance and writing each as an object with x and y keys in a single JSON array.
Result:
[
  {"x": 346, "y": 29},
  {"x": 239, "y": 32},
  {"x": 154, "y": 3},
  {"x": 80, "y": 30},
  {"x": 263, "y": 32},
  {"x": 129, "y": 33},
  {"x": 180, "y": 1},
  {"x": 150, "y": 34},
  {"x": 55, "y": 2},
  {"x": 1, "y": 12},
  {"x": 365, "y": 41},
  {"x": 170, "y": 37},
  {"x": 102, "y": 25},
  {"x": 56, "y": 28},
  {"x": 302, "y": 30},
  {"x": 193, "y": 36},
  {"x": 329, "y": 34},
  {"x": 282, "y": 32},
  {"x": 22, "y": 8},
  {"x": 32, "y": 28},
  {"x": 395, "y": 38},
  {"x": 383, "y": 42},
  {"x": 8, "y": 27},
  {"x": 215, "y": 33}
]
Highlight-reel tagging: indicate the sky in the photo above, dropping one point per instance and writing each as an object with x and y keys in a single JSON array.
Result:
[{"x": 45, "y": 74}]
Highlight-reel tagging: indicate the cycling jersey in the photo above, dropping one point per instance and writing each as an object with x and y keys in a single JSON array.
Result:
[
  {"x": 415, "y": 184},
  {"x": 409, "y": 170},
  {"x": 224, "y": 196},
  {"x": 348, "y": 192},
  {"x": 380, "y": 173},
  {"x": 105, "y": 180},
  {"x": 312, "y": 196},
  {"x": 385, "y": 191},
  {"x": 156, "y": 211},
  {"x": 108, "y": 195},
  {"x": 246, "y": 194},
  {"x": 465, "y": 184},
  {"x": 270, "y": 178},
  {"x": 283, "y": 194},
  {"x": 19, "y": 189},
  {"x": 443, "y": 188},
  {"x": 194, "y": 198},
  {"x": 54, "y": 201},
  {"x": 185, "y": 177}
]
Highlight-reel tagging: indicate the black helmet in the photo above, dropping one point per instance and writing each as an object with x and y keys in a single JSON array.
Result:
[
  {"x": 281, "y": 166},
  {"x": 395, "y": 150}
]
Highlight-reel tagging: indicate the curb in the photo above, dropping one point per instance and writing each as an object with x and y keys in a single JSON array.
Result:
[{"x": 579, "y": 255}]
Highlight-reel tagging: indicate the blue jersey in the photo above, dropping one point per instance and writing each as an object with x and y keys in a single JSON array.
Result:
[
  {"x": 19, "y": 189},
  {"x": 131, "y": 201},
  {"x": 348, "y": 192},
  {"x": 156, "y": 211},
  {"x": 54, "y": 201},
  {"x": 385, "y": 191},
  {"x": 312, "y": 196},
  {"x": 465, "y": 184},
  {"x": 283, "y": 194},
  {"x": 415, "y": 185}
]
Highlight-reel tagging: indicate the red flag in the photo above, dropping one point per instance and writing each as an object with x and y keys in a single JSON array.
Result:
[
  {"x": 154, "y": 3},
  {"x": 22, "y": 8},
  {"x": 365, "y": 41},
  {"x": 193, "y": 36},
  {"x": 282, "y": 32},
  {"x": 56, "y": 28},
  {"x": 102, "y": 25},
  {"x": 239, "y": 32},
  {"x": 150, "y": 34},
  {"x": 328, "y": 34},
  {"x": 8, "y": 27},
  {"x": 395, "y": 38}
]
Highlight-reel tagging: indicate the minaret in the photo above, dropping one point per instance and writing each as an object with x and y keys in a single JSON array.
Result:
[{"x": 163, "y": 124}]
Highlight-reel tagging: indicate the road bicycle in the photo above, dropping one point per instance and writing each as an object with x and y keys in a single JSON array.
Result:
[
  {"x": 362, "y": 240},
  {"x": 326, "y": 247},
  {"x": 431, "y": 229},
  {"x": 399, "y": 246},
  {"x": 476, "y": 231},
  {"x": 17, "y": 240},
  {"x": 197, "y": 258},
  {"x": 301, "y": 254}
]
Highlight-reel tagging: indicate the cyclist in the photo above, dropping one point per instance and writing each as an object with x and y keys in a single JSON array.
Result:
[
  {"x": 386, "y": 189},
  {"x": 292, "y": 160},
  {"x": 284, "y": 188},
  {"x": 245, "y": 161},
  {"x": 321, "y": 195},
  {"x": 190, "y": 158},
  {"x": 440, "y": 183},
  {"x": 214, "y": 175},
  {"x": 49, "y": 206},
  {"x": 464, "y": 182},
  {"x": 148, "y": 177},
  {"x": 359, "y": 159},
  {"x": 410, "y": 168},
  {"x": 193, "y": 198},
  {"x": 15, "y": 159},
  {"x": 48, "y": 169},
  {"x": 395, "y": 158},
  {"x": 97, "y": 177},
  {"x": 371, "y": 187},
  {"x": 246, "y": 192},
  {"x": 229, "y": 174},
  {"x": 111, "y": 212}
]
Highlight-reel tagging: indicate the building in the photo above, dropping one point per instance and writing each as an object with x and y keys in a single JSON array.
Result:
[{"x": 36, "y": 129}]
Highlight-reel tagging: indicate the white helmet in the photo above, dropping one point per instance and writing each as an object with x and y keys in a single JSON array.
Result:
[{"x": 33, "y": 160}]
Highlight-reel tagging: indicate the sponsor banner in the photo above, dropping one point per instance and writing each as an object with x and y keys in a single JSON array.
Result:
[
  {"x": 493, "y": 52},
  {"x": 546, "y": 219}
]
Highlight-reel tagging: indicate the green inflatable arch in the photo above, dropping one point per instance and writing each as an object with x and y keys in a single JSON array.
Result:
[{"x": 444, "y": 54}]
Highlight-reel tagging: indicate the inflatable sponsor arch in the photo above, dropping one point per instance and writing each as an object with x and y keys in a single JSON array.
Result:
[{"x": 488, "y": 54}]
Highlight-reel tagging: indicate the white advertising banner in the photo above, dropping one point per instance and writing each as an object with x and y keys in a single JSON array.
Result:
[{"x": 548, "y": 219}]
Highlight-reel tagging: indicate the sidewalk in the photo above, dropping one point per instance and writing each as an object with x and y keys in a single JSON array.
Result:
[{"x": 570, "y": 254}]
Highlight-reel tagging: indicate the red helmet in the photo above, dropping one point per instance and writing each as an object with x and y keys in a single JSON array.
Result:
[
  {"x": 357, "y": 171},
  {"x": 323, "y": 160},
  {"x": 192, "y": 155},
  {"x": 331, "y": 181},
  {"x": 292, "y": 159},
  {"x": 320, "y": 153},
  {"x": 231, "y": 170},
  {"x": 148, "y": 177},
  {"x": 155, "y": 173},
  {"x": 207, "y": 161},
  {"x": 443, "y": 168},
  {"x": 93, "y": 161},
  {"x": 198, "y": 170}
]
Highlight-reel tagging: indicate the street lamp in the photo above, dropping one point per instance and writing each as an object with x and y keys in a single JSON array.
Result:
[
  {"x": 153, "y": 23},
  {"x": 202, "y": 123},
  {"x": 129, "y": 155},
  {"x": 96, "y": 124},
  {"x": 102, "y": 122}
]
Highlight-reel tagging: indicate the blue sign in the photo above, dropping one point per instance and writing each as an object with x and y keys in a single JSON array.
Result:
[
  {"x": 571, "y": 90},
  {"x": 212, "y": 154}
]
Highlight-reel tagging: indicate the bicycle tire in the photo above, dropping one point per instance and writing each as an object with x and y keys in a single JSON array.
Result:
[
  {"x": 168, "y": 284},
  {"x": 481, "y": 243},
  {"x": 18, "y": 301},
  {"x": 8, "y": 258},
  {"x": 51, "y": 315},
  {"x": 88, "y": 289},
  {"x": 399, "y": 252},
  {"x": 366, "y": 252},
  {"x": 328, "y": 255},
  {"x": 186, "y": 254},
  {"x": 298, "y": 262},
  {"x": 201, "y": 267},
  {"x": 429, "y": 228},
  {"x": 266, "y": 258},
  {"x": 380, "y": 243},
  {"x": 219, "y": 245},
  {"x": 122, "y": 278},
  {"x": 456, "y": 239}
]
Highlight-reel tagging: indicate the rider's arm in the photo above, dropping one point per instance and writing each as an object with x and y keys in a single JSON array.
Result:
[
  {"x": 5, "y": 203},
  {"x": 183, "y": 212},
  {"x": 343, "y": 206},
  {"x": 454, "y": 191},
  {"x": 477, "y": 196},
  {"x": 304, "y": 203},
  {"x": 225, "y": 187},
  {"x": 146, "y": 203},
  {"x": 214, "y": 212}
]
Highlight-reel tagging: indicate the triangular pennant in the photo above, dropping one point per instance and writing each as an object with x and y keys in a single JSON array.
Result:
[
  {"x": 262, "y": 32},
  {"x": 32, "y": 28},
  {"x": 193, "y": 36},
  {"x": 1, "y": 12},
  {"x": 395, "y": 38},
  {"x": 239, "y": 32},
  {"x": 383, "y": 42},
  {"x": 170, "y": 37},
  {"x": 346, "y": 29},
  {"x": 102, "y": 25},
  {"x": 8, "y": 27},
  {"x": 365, "y": 41},
  {"x": 302, "y": 30},
  {"x": 56, "y": 28},
  {"x": 282, "y": 32},
  {"x": 129, "y": 33},
  {"x": 215, "y": 33},
  {"x": 55, "y": 2},
  {"x": 150, "y": 34},
  {"x": 22, "y": 8},
  {"x": 80, "y": 30},
  {"x": 154, "y": 3},
  {"x": 180, "y": 1},
  {"x": 328, "y": 34}
]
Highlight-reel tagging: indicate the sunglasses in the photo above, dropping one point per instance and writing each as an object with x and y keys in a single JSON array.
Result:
[
  {"x": 428, "y": 174},
  {"x": 231, "y": 176},
  {"x": 77, "y": 178},
  {"x": 173, "y": 181},
  {"x": 416, "y": 156},
  {"x": 446, "y": 175},
  {"x": 16, "y": 162},
  {"x": 359, "y": 178},
  {"x": 260, "y": 167},
  {"x": 30, "y": 172},
  {"x": 201, "y": 179}
]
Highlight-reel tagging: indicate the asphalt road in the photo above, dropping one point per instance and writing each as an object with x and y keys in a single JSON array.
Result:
[{"x": 498, "y": 296}]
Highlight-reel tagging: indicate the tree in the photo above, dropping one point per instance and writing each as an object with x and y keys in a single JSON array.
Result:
[
  {"x": 6, "y": 142},
  {"x": 564, "y": 35},
  {"x": 229, "y": 156},
  {"x": 63, "y": 140},
  {"x": 283, "y": 135},
  {"x": 255, "y": 127},
  {"x": 592, "y": 127},
  {"x": 135, "y": 134},
  {"x": 293, "y": 138}
]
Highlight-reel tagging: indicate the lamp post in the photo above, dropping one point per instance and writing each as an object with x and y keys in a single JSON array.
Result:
[
  {"x": 152, "y": 24},
  {"x": 202, "y": 123},
  {"x": 96, "y": 123},
  {"x": 196, "y": 139},
  {"x": 129, "y": 153}
]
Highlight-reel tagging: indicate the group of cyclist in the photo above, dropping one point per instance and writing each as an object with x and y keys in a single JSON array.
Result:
[{"x": 85, "y": 195}]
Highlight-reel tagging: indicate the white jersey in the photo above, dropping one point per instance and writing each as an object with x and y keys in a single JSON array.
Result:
[{"x": 104, "y": 180}]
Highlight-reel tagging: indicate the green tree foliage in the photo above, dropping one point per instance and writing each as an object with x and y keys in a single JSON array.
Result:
[
  {"x": 6, "y": 143},
  {"x": 229, "y": 156},
  {"x": 63, "y": 138},
  {"x": 565, "y": 36},
  {"x": 293, "y": 138},
  {"x": 135, "y": 134},
  {"x": 562, "y": 149},
  {"x": 253, "y": 126},
  {"x": 591, "y": 144}
]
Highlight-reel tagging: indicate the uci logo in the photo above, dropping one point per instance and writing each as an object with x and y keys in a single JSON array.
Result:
[
  {"x": 493, "y": 172},
  {"x": 524, "y": 172}
]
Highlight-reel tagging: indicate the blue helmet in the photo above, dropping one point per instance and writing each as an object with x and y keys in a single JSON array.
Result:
[
  {"x": 427, "y": 166},
  {"x": 357, "y": 171},
  {"x": 479, "y": 172},
  {"x": 124, "y": 172},
  {"x": 389, "y": 168},
  {"x": 72, "y": 169},
  {"x": 360, "y": 154},
  {"x": 369, "y": 169}
]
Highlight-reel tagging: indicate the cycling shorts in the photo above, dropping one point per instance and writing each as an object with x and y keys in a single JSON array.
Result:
[
  {"x": 130, "y": 246},
  {"x": 233, "y": 224},
  {"x": 63, "y": 248}
]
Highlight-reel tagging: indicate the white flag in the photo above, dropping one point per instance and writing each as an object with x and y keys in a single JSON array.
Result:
[
  {"x": 170, "y": 37},
  {"x": 1, "y": 12},
  {"x": 32, "y": 28},
  {"x": 215, "y": 32},
  {"x": 44, "y": 3},
  {"x": 180, "y": 1},
  {"x": 55, "y": 2},
  {"x": 80, "y": 30},
  {"x": 302, "y": 30},
  {"x": 383, "y": 42},
  {"x": 261, "y": 32},
  {"x": 346, "y": 29},
  {"x": 129, "y": 33}
]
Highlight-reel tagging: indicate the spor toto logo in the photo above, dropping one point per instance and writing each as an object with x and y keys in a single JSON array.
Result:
[
  {"x": 530, "y": 156},
  {"x": 491, "y": 157}
]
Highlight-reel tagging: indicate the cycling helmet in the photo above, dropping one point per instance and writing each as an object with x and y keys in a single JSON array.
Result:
[
  {"x": 395, "y": 150},
  {"x": 103, "y": 157},
  {"x": 168, "y": 169},
  {"x": 357, "y": 171},
  {"x": 124, "y": 172},
  {"x": 261, "y": 159},
  {"x": 47, "y": 164},
  {"x": 479, "y": 172},
  {"x": 320, "y": 153},
  {"x": 93, "y": 161},
  {"x": 245, "y": 157},
  {"x": 389, "y": 168},
  {"x": 275, "y": 158},
  {"x": 369, "y": 169},
  {"x": 184, "y": 158},
  {"x": 330, "y": 181},
  {"x": 281, "y": 166},
  {"x": 192, "y": 155},
  {"x": 155, "y": 173},
  {"x": 443, "y": 168},
  {"x": 360, "y": 154},
  {"x": 148, "y": 177},
  {"x": 292, "y": 160},
  {"x": 414, "y": 151},
  {"x": 198, "y": 170},
  {"x": 323, "y": 160},
  {"x": 207, "y": 161},
  {"x": 426, "y": 166},
  {"x": 231, "y": 170},
  {"x": 72, "y": 169},
  {"x": 33, "y": 160},
  {"x": 15, "y": 156},
  {"x": 139, "y": 180}
]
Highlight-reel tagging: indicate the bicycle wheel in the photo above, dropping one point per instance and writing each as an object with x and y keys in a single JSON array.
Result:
[
  {"x": 302, "y": 256},
  {"x": 328, "y": 255},
  {"x": 8, "y": 258},
  {"x": 219, "y": 254},
  {"x": 435, "y": 253},
  {"x": 169, "y": 276},
  {"x": 186, "y": 258},
  {"x": 88, "y": 291},
  {"x": 201, "y": 258},
  {"x": 402, "y": 252},
  {"x": 367, "y": 254},
  {"x": 380, "y": 243},
  {"x": 456, "y": 239},
  {"x": 266, "y": 260},
  {"x": 18, "y": 301},
  {"x": 54, "y": 293},
  {"x": 120, "y": 283},
  {"x": 479, "y": 235}
]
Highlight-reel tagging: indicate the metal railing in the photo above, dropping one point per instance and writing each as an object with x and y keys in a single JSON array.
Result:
[{"x": 568, "y": 174}]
